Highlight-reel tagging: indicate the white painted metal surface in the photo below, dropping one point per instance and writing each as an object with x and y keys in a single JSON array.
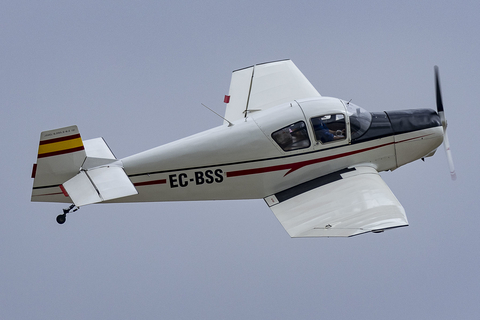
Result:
[
  {"x": 98, "y": 153},
  {"x": 81, "y": 190},
  {"x": 267, "y": 85},
  {"x": 360, "y": 202},
  {"x": 274, "y": 149},
  {"x": 99, "y": 184}
]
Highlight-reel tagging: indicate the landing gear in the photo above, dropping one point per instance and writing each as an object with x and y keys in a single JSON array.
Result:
[{"x": 61, "y": 218}]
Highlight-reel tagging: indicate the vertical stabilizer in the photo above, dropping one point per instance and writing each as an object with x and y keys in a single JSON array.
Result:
[{"x": 61, "y": 153}]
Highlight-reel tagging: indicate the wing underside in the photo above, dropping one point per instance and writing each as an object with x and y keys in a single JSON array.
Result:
[{"x": 346, "y": 203}]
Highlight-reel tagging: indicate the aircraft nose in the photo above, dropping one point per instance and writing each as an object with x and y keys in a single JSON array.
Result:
[
  {"x": 418, "y": 133},
  {"x": 403, "y": 121}
]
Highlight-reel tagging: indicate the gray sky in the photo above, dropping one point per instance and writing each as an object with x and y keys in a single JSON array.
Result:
[{"x": 136, "y": 73}]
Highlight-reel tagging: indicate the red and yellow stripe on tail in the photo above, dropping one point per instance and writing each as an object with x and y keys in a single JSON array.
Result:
[
  {"x": 61, "y": 154},
  {"x": 60, "y": 145}
]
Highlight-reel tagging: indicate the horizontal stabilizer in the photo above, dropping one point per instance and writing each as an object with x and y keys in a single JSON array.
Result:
[
  {"x": 98, "y": 153},
  {"x": 342, "y": 204},
  {"x": 99, "y": 184}
]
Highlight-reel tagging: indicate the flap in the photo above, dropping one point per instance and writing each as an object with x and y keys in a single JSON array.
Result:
[
  {"x": 342, "y": 204},
  {"x": 266, "y": 85},
  {"x": 99, "y": 184}
]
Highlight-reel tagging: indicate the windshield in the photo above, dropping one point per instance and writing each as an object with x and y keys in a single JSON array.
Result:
[{"x": 360, "y": 119}]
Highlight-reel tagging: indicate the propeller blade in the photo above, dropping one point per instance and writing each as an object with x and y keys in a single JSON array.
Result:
[
  {"x": 438, "y": 95},
  {"x": 446, "y": 144},
  {"x": 438, "y": 91},
  {"x": 441, "y": 113}
]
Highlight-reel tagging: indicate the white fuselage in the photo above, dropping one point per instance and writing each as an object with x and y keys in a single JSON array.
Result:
[{"x": 243, "y": 161}]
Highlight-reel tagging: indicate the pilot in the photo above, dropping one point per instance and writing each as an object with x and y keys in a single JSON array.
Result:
[{"x": 324, "y": 134}]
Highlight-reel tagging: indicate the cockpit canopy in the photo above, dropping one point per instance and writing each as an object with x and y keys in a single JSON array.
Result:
[
  {"x": 313, "y": 122},
  {"x": 360, "y": 120}
]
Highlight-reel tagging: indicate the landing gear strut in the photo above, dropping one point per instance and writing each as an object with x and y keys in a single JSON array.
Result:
[{"x": 61, "y": 218}]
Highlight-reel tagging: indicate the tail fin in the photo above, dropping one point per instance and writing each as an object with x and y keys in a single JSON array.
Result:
[
  {"x": 61, "y": 154},
  {"x": 71, "y": 170}
]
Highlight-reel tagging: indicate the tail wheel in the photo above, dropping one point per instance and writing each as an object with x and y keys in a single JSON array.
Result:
[{"x": 61, "y": 218}]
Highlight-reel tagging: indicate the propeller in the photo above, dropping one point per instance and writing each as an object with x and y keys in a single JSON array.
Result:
[{"x": 441, "y": 113}]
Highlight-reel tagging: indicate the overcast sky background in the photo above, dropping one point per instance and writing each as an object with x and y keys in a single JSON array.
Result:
[{"x": 136, "y": 73}]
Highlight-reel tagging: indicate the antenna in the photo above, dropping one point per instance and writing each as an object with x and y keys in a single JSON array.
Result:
[{"x": 229, "y": 123}]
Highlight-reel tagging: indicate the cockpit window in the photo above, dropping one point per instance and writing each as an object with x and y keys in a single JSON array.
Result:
[
  {"x": 329, "y": 127},
  {"x": 360, "y": 119},
  {"x": 292, "y": 137}
]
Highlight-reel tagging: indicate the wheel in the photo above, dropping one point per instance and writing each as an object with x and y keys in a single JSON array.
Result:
[{"x": 61, "y": 218}]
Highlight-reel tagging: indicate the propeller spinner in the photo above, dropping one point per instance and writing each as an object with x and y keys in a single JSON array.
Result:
[{"x": 441, "y": 113}]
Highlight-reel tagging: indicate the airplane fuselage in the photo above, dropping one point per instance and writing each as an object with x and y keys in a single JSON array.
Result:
[{"x": 248, "y": 160}]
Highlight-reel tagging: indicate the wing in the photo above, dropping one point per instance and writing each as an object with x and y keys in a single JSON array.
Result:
[
  {"x": 266, "y": 85},
  {"x": 342, "y": 204}
]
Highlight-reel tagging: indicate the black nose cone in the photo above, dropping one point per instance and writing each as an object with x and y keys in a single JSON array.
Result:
[{"x": 412, "y": 120}]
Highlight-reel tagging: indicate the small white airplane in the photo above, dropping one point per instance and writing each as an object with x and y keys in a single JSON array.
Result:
[{"x": 313, "y": 159}]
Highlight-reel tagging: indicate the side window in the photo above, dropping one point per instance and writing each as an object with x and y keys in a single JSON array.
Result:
[
  {"x": 329, "y": 127},
  {"x": 292, "y": 137}
]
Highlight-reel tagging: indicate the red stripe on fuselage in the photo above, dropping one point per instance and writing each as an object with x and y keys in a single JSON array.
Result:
[
  {"x": 297, "y": 165},
  {"x": 47, "y": 194},
  {"x": 148, "y": 183}
]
